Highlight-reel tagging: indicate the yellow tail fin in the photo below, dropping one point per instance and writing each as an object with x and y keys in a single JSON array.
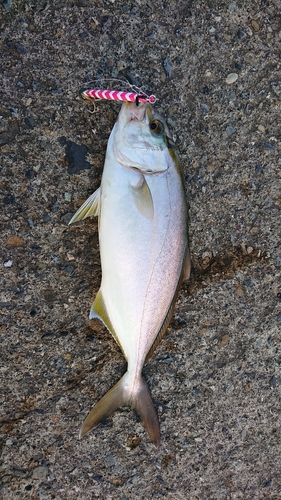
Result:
[{"x": 121, "y": 394}]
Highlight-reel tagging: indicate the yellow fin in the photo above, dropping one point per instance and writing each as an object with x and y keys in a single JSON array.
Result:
[
  {"x": 90, "y": 208},
  {"x": 143, "y": 198},
  {"x": 98, "y": 310},
  {"x": 120, "y": 395}
]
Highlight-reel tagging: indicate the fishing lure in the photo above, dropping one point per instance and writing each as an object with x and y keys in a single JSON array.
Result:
[{"x": 118, "y": 95}]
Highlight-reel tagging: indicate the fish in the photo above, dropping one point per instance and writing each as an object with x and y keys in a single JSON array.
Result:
[{"x": 142, "y": 215}]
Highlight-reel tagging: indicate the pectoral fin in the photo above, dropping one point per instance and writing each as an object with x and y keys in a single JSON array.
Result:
[
  {"x": 98, "y": 310},
  {"x": 143, "y": 198},
  {"x": 90, "y": 208}
]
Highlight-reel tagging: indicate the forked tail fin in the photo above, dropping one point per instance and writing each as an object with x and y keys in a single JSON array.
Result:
[{"x": 121, "y": 394}]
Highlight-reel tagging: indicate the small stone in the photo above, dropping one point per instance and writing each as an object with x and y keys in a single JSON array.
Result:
[
  {"x": 8, "y": 263},
  {"x": 241, "y": 34},
  {"x": 69, "y": 269},
  {"x": 67, "y": 196},
  {"x": 15, "y": 241},
  {"x": 224, "y": 341},
  {"x": 168, "y": 68},
  {"x": 240, "y": 291},
  {"x": 40, "y": 472},
  {"x": 20, "y": 48},
  {"x": 46, "y": 218},
  {"x": 204, "y": 107},
  {"x": 67, "y": 217},
  {"x": 28, "y": 102},
  {"x": 231, "y": 78},
  {"x": 255, "y": 25},
  {"x": 261, "y": 128},
  {"x": 249, "y": 250},
  {"x": 230, "y": 130},
  {"x": 269, "y": 146},
  {"x": 121, "y": 65},
  {"x": 30, "y": 174},
  {"x": 29, "y": 122}
]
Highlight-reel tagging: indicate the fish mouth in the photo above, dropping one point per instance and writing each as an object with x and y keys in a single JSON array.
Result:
[{"x": 133, "y": 112}]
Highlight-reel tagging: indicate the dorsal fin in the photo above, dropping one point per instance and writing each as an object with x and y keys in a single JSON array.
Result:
[
  {"x": 90, "y": 208},
  {"x": 98, "y": 310}
]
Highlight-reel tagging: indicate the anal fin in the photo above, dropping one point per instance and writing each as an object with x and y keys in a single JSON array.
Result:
[{"x": 99, "y": 311}]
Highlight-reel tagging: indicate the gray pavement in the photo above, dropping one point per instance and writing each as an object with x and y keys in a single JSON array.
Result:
[{"x": 215, "y": 378}]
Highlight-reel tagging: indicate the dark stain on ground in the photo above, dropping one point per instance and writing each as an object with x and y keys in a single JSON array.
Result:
[{"x": 213, "y": 269}]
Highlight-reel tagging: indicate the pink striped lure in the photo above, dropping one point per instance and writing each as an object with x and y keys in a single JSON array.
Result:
[{"x": 117, "y": 95}]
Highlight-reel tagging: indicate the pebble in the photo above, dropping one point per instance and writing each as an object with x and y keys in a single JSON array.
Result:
[
  {"x": 15, "y": 241},
  {"x": 261, "y": 128},
  {"x": 255, "y": 25},
  {"x": 8, "y": 263},
  {"x": 46, "y": 218},
  {"x": 230, "y": 130},
  {"x": 29, "y": 174},
  {"x": 231, "y": 78},
  {"x": 167, "y": 67},
  {"x": 121, "y": 65},
  {"x": 240, "y": 291},
  {"x": 67, "y": 217},
  {"x": 40, "y": 472},
  {"x": 67, "y": 196},
  {"x": 29, "y": 122},
  {"x": 20, "y": 48},
  {"x": 249, "y": 250},
  {"x": 269, "y": 146},
  {"x": 241, "y": 34},
  {"x": 224, "y": 341}
]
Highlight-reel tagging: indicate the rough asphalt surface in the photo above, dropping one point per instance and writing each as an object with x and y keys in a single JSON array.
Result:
[{"x": 215, "y": 378}]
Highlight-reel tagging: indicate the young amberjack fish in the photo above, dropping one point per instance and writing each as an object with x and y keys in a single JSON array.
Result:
[{"x": 142, "y": 211}]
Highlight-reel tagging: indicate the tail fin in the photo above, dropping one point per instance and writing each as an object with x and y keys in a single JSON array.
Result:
[{"x": 119, "y": 395}]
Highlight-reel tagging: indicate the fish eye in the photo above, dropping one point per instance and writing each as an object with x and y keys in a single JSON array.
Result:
[{"x": 156, "y": 127}]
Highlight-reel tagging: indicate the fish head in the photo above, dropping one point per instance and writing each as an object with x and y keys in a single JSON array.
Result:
[{"x": 142, "y": 139}]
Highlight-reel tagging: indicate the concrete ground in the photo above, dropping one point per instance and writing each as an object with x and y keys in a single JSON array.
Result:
[{"x": 215, "y": 378}]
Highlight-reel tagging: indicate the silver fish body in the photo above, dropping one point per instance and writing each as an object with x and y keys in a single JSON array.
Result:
[{"x": 142, "y": 210}]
